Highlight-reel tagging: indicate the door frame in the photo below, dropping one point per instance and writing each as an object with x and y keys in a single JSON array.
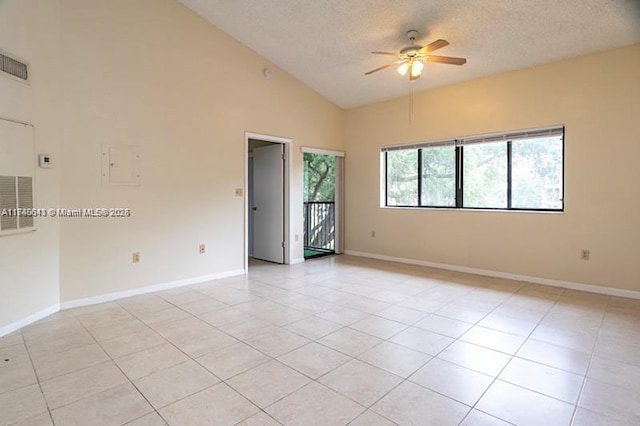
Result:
[{"x": 287, "y": 143}]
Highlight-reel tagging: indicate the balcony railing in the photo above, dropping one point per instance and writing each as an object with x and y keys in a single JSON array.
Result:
[{"x": 320, "y": 225}]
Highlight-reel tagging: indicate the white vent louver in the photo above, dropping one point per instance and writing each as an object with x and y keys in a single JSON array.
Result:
[
  {"x": 16, "y": 194},
  {"x": 14, "y": 67},
  {"x": 16, "y": 178}
]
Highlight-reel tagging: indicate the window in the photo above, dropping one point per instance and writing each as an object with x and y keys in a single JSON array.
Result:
[{"x": 514, "y": 171}]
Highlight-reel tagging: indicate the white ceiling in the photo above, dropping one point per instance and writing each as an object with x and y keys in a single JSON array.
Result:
[{"x": 327, "y": 43}]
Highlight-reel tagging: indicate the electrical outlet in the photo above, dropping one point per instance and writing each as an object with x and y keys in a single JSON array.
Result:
[
  {"x": 239, "y": 192},
  {"x": 373, "y": 234},
  {"x": 584, "y": 254},
  {"x": 135, "y": 257},
  {"x": 297, "y": 237},
  {"x": 202, "y": 249}
]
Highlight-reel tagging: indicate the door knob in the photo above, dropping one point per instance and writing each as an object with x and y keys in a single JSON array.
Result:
[{"x": 254, "y": 208}]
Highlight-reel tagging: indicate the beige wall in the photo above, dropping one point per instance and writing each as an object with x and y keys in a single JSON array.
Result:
[
  {"x": 149, "y": 73},
  {"x": 596, "y": 97},
  {"x": 29, "y": 263}
]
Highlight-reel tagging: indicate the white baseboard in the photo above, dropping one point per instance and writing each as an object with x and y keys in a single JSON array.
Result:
[
  {"x": 296, "y": 261},
  {"x": 619, "y": 292},
  {"x": 109, "y": 297},
  {"x": 8, "y": 329}
]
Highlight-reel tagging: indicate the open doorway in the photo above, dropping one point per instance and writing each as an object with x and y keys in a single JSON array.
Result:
[
  {"x": 267, "y": 200},
  {"x": 322, "y": 192}
]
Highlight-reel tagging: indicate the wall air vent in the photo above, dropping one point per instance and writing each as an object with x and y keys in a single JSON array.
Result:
[
  {"x": 12, "y": 67},
  {"x": 17, "y": 182}
]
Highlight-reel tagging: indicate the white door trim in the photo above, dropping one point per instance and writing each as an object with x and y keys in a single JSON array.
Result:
[
  {"x": 320, "y": 151},
  {"x": 287, "y": 205}
]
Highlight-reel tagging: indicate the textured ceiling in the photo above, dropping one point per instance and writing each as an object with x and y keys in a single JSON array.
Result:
[{"x": 327, "y": 43}]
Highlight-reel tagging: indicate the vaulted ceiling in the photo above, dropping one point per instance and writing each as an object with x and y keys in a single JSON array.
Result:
[{"x": 327, "y": 43}]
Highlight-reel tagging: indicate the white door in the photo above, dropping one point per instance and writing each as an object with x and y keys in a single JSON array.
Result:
[{"x": 268, "y": 203}]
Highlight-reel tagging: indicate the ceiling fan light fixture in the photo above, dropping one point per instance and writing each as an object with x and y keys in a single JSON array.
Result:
[
  {"x": 416, "y": 68},
  {"x": 402, "y": 69}
]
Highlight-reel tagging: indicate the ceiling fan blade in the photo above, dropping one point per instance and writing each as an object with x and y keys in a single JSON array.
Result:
[
  {"x": 385, "y": 53},
  {"x": 434, "y": 46},
  {"x": 384, "y": 66},
  {"x": 446, "y": 60}
]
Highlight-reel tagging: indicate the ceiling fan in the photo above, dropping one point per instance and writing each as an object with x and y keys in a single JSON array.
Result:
[{"x": 411, "y": 59}]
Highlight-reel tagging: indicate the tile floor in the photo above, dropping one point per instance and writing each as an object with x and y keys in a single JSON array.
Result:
[{"x": 334, "y": 341}]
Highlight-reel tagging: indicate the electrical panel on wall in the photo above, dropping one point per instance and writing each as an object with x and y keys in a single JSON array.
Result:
[
  {"x": 17, "y": 165},
  {"x": 120, "y": 165}
]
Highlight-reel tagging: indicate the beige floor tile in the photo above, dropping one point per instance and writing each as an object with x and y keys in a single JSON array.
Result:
[
  {"x": 547, "y": 380},
  {"x": 403, "y": 315},
  {"x": 508, "y": 325},
  {"x": 14, "y": 338},
  {"x": 183, "y": 327},
  {"x": 277, "y": 342},
  {"x": 39, "y": 420},
  {"x": 612, "y": 401},
  {"x": 493, "y": 339},
  {"x": 233, "y": 360},
  {"x": 313, "y": 327},
  {"x": 478, "y": 418},
  {"x": 184, "y": 297},
  {"x": 575, "y": 340},
  {"x": 220, "y": 317},
  {"x": 21, "y": 404},
  {"x": 117, "y": 328},
  {"x": 15, "y": 376},
  {"x": 350, "y": 342},
  {"x": 203, "y": 306},
  {"x": 199, "y": 343},
  {"x": 243, "y": 330},
  {"x": 378, "y": 327},
  {"x": 615, "y": 373},
  {"x": 476, "y": 358},
  {"x": 388, "y": 296},
  {"x": 314, "y": 360},
  {"x": 343, "y": 316},
  {"x": 15, "y": 354},
  {"x": 114, "y": 406},
  {"x": 442, "y": 325},
  {"x": 462, "y": 313},
  {"x": 260, "y": 419},
  {"x": 377, "y": 299},
  {"x": 171, "y": 384},
  {"x": 103, "y": 316},
  {"x": 71, "y": 387},
  {"x": 410, "y": 404},
  {"x": 147, "y": 303},
  {"x": 394, "y": 358},
  {"x": 584, "y": 417},
  {"x": 555, "y": 356},
  {"x": 48, "y": 367},
  {"x": 268, "y": 383},
  {"x": 282, "y": 316},
  {"x": 315, "y": 404},
  {"x": 361, "y": 382},
  {"x": 524, "y": 407},
  {"x": 459, "y": 383},
  {"x": 619, "y": 351},
  {"x": 151, "y": 419},
  {"x": 369, "y": 418},
  {"x": 132, "y": 343},
  {"x": 422, "y": 340},
  {"x": 368, "y": 305},
  {"x": 150, "y": 360},
  {"x": 155, "y": 319},
  {"x": 49, "y": 346}
]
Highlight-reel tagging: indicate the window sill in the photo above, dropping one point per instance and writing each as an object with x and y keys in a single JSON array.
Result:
[{"x": 453, "y": 209}]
